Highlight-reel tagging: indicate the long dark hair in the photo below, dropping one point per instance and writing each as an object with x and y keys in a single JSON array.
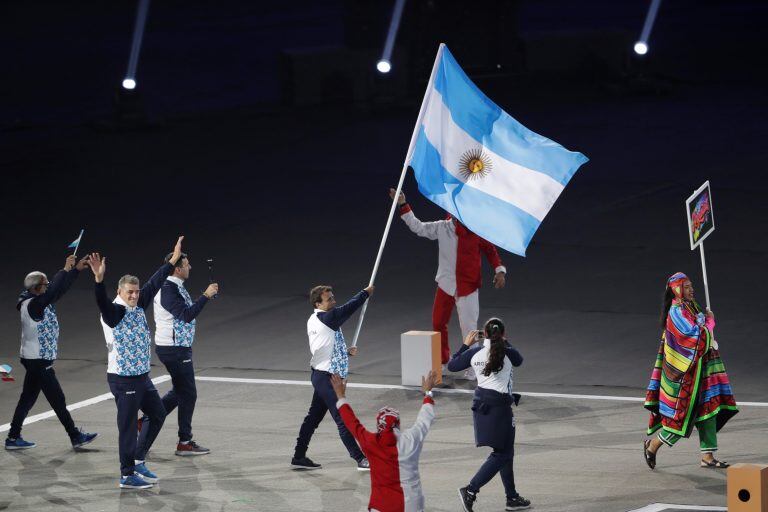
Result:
[
  {"x": 665, "y": 305},
  {"x": 494, "y": 331}
]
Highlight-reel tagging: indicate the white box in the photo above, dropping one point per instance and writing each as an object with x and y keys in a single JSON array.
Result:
[{"x": 419, "y": 353}]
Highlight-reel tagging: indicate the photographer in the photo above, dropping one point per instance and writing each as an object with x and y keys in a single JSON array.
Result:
[{"x": 492, "y": 359}]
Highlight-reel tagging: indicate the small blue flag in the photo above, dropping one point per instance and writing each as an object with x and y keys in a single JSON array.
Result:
[{"x": 76, "y": 243}]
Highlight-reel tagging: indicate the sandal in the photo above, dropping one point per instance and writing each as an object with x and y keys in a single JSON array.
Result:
[
  {"x": 650, "y": 457},
  {"x": 718, "y": 464}
]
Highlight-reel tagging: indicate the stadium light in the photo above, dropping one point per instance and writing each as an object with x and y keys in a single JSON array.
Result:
[
  {"x": 385, "y": 63},
  {"x": 384, "y": 66},
  {"x": 641, "y": 46},
  {"x": 138, "y": 35}
]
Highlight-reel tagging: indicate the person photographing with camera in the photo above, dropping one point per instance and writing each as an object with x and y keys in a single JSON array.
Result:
[
  {"x": 175, "y": 325},
  {"x": 492, "y": 358}
]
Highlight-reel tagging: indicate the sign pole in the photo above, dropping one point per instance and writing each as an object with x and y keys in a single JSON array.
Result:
[{"x": 704, "y": 272}]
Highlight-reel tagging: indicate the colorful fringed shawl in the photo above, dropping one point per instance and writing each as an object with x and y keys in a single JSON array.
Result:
[{"x": 688, "y": 382}]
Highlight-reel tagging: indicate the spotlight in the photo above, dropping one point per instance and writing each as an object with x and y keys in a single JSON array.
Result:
[
  {"x": 129, "y": 83},
  {"x": 383, "y": 66},
  {"x": 641, "y": 48}
]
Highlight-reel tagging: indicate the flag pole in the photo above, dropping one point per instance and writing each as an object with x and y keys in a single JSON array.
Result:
[
  {"x": 392, "y": 209},
  {"x": 704, "y": 272},
  {"x": 79, "y": 239}
]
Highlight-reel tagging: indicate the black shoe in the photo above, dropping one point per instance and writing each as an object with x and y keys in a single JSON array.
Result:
[
  {"x": 467, "y": 499},
  {"x": 304, "y": 463},
  {"x": 363, "y": 465},
  {"x": 517, "y": 503}
]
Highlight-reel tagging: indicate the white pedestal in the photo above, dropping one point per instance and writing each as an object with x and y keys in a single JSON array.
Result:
[{"x": 419, "y": 353}]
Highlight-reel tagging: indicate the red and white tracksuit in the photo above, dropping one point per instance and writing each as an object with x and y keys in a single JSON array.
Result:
[
  {"x": 459, "y": 272},
  {"x": 394, "y": 458}
]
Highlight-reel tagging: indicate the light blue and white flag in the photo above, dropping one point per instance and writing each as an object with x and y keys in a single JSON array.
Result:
[
  {"x": 475, "y": 161},
  {"x": 76, "y": 243}
]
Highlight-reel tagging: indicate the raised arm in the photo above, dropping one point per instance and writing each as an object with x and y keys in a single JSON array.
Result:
[
  {"x": 462, "y": 359},
  {"x": 425, "y": 229},
  {"x": 58, "y": 286},
  {"x": 174, "y": 303},
  {"x": 514, "y": 356},
  {"x": 340, "y": 314},
  {"x": 426, "y": 416},
  {"x": 354, "y": 426},
  {"x": 153, "y": 285},
  {"x": 111, "y": 313}
]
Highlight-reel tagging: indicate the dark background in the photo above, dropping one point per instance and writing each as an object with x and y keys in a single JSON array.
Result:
[{"x": 261, "y": 131}]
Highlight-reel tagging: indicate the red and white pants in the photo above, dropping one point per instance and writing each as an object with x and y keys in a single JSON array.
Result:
[{"x": 468, "y": 309}]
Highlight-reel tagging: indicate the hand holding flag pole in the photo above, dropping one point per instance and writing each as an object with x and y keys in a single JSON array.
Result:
[{"x": 399, "y": 189}]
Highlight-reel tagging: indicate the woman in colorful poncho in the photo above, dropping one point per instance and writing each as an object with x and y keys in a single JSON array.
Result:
[{"x": 688, "y": 385}]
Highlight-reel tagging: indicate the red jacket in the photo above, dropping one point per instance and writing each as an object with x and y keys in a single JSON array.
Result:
[
  {"x": 459, "y": 268},
  {"x": 394, "y": 459}
]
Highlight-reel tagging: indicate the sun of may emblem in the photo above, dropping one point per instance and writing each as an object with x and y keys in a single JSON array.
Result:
[{"x": 474, "y": 164}]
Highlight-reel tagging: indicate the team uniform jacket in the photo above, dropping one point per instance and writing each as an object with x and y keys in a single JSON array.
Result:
[
  {"x": 492, "y": 403},
  {"x": 324, "y": 331},
  {"x": 125, "y": 328},
  {"x": 175, "y": 314},
  {"x": 39, "y": 323},
  {"x": 394, "y": 458},
  {"x": 459, "y": 269}
]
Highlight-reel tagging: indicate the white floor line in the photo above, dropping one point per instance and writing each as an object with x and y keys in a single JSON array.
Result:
[
  {"x": 660, "y": 507},
  {"x": 77, "y": 405},
  {"x": 240, "y": 380}
]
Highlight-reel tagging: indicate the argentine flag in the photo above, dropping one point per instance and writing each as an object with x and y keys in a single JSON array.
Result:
[
  {"x": 478, "y": 163},
  {"x": 76, "y": 243}
]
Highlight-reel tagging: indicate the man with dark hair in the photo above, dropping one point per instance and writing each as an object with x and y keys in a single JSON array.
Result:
[
  {"x": 330, "y": 356},
  {"x": 128, "y": 353},
  {"x": 39, "y": 348},
  {"x": 175, "y": 322}
]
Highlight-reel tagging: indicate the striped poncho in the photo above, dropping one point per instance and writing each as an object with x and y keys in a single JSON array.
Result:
[{"x": 688, "y": 382}]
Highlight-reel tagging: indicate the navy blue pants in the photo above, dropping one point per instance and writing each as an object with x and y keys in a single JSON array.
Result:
[
  {"x": 499, "y": 461},
  {"x": 40, "y": 377},
  {"x": 183, "y": 394},
  {"x": 324, "y": 400},
  {"x": 132, "y": 394}
]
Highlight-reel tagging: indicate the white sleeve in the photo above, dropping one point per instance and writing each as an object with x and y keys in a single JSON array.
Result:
[
  {"x": 420, "y": 428},
  {"x": 426, "y": 229}
]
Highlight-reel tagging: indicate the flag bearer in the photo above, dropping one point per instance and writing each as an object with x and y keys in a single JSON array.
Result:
[
  {"x": 39, "y": 348},
  {"x": 330, "y": 355},
  {"x": 459, "y": 272},
  {"x": 128, "y": 350}
]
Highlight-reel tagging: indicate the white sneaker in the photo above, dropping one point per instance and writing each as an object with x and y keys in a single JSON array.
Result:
[{"x": 469, "y": 374}]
